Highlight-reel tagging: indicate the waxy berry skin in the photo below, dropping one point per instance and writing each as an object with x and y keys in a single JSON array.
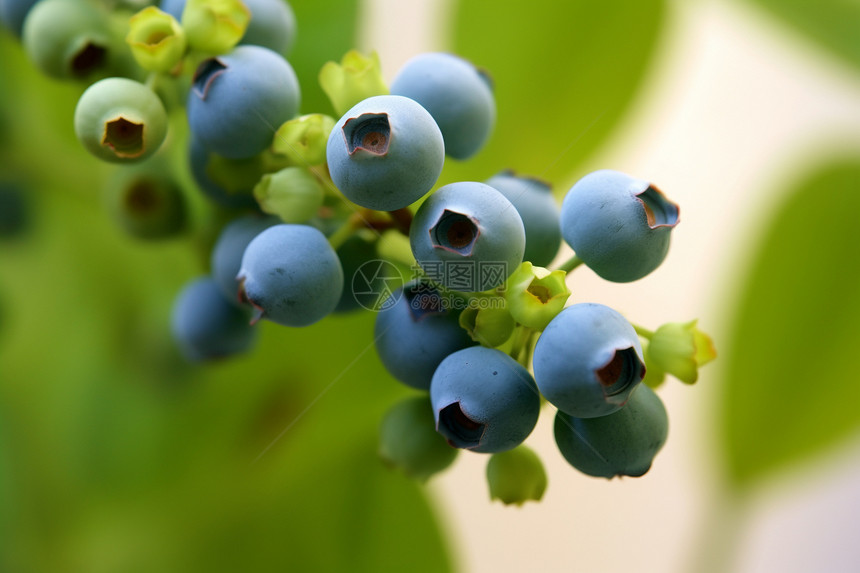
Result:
[
  {"x": 206, "y": 326},
  {"x": 588, "y": 360},
  {"x": 416, "y": 333},
  {"x": 238, "y": 100},
  {"x": 468, "y": 237},
  {"x": 618, "y": 225},
  {"x": 483, "y": 400},
  {"x": 623, "y": 443},
  {"x": 458, "y": 95},
  {"x": 291, "y": 275},
  {"x": 385, "y": 153}
]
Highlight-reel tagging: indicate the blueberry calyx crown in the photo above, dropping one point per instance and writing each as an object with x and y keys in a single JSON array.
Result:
[
  {"x": 205, "y": 74},
  {"x": 659, "y": 211},
  {"x": 124, "y": 137},
  {"x": 622, "y": 371},
  {"x": 455, "y": 232},
  {"x": 369, "y": 132},
  {"x": 90, "y": 57},
  {"x": 459, "y": 429}
]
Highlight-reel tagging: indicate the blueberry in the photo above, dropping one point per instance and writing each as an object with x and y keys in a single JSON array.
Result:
[
  {"x": 147, "y": 203},
  {"x": 623, "y": 443},
  {"x": 206, "y": 326},
  {"x": 533, "y": 200},
  {"x": 415, "y": 331},
  {"x": 14, "y": 12},
  {"x": 385, "y": 153},
  {"x": 408, "y": 440},
  {"x": 237, "y": 101},
  {"x": 458, "y": 95},
  {"x": 588, "y": 360},
  {"x": 468, "y": 237},
  {"x": 291, "y": 275},
  {"x": 484, "y": 400},
  {"x": 67, "y": 39},
  {"x": 120, "y": 120},
  {"x": 226, "y": 257},
  {"x": 618, "y": 225}
]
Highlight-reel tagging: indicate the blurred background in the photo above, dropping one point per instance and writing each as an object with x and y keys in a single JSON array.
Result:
[{"x": 116, "y": 455}]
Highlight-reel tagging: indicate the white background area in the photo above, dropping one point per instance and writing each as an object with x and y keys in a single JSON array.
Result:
[{"x": 734, "y": 110}]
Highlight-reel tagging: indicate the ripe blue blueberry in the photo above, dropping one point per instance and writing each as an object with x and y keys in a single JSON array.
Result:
[
  {"x": 206, "y": 326},
  {"x": 415, "y": 333},
  {"x": 237, "y": 101},
  {"x": 468, "y": 237},
  {"x": 484, "y": 400},
  {"x": 14, "y": 12},
  {"x": 385, "y": 153},
  {"x": 588, "y": 360},
  {"x": 618, "y": 225},
  {"x": 458, "y": 95},
  {"x": 226, "y": 257},
  {"x": 540, "y": 214},
  {"x": 623, "y": 443},
  {"x": 291, "y": 275},
  {"x": 120, "y": 120}
]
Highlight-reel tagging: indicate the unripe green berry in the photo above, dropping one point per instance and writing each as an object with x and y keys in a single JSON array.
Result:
[
  {"x": 146, "y": 203},
  {"x": 516, "y": 476},
  {"x": 409, "y": 441},
  {"x": 680, "y": 349},
  {"x": 120, "y": 120},
  {"x": 67, "y": 39},
  {"x": 490, "y": 326}
]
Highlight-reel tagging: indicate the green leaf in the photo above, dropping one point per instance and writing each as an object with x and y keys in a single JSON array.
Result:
[
  {"x": 791, "y": 386},
  {"x": 116, "y": 455},
  {"x": 326, "y": 31},
  {"x": 564, "y": 74},
  {"x": 833, "y": 24}
]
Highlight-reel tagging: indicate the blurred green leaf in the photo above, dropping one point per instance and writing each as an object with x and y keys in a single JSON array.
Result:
[
  {"x": 564, "y": 74},
  {"x": 326, "y": 30},
  {"x": 832, "y": 24},
  {"x": 116, "y": 455},
  {"x": 791, "y": 386}
]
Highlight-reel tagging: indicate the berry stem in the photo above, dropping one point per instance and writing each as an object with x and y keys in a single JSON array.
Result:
[
  {"x": 643, "y": 332},
  {"x": 522, "y": 335},
  {"x": 343, "y": 233},
  {"x": 570, "y": 264}
]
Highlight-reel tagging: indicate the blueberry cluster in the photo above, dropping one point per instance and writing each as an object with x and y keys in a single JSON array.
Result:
[{"x": 305, "y": 202}]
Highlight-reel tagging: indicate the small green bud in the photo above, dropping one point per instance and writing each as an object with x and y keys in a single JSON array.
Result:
[
  {"x": 535, "y": 295},
  {"x": 516, "y": 476},
  {"x": 156, "y": 39},
  {"x": 356, "y": 78},
  {"x": 303, "y": 140},
  {"x": 680, "y": 349},
  {"x": 215, "y": 26},
  {"x": 409, "y": 441},
  {"x": 491, "y": 326},
  {"x": 294, "y": 194}
]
